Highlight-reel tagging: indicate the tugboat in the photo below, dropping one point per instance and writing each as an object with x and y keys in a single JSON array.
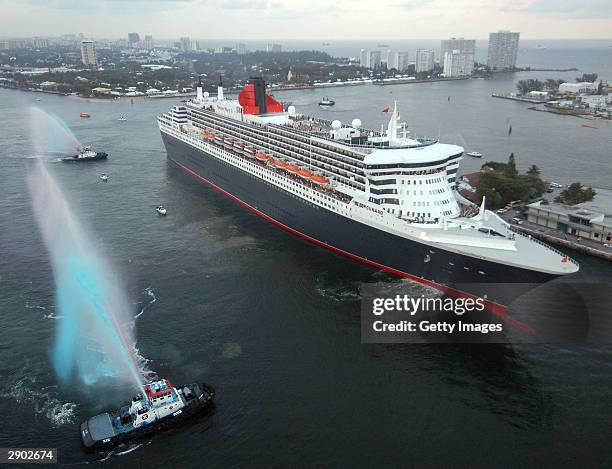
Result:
[
  {"x": 85, "y": 114},
  {"x": 163, "y": 406},
  {"x": 326, "y": 102},
  {"x": 474, "y": 154},
  {"x": 161, "y": 210},
  {"x": 87, "y": 154}
]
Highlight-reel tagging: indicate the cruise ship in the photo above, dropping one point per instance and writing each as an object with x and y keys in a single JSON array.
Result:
[{"x": 384, "y": 198}]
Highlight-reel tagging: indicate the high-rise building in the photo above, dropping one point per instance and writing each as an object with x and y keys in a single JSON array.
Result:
[
  {"x": 397, "y": 60},
  {"x": 38, "y": 43},
  {"x": 464, "y": 47},
  {"x": 273, "y": 47},
  {"x": 185, "y": 44},
  {"x": 133, "y": 39},
  {"x": 88, "y": 53},
  {"x": 503, "y": 49},
  {"x": 363, "y": 58},
  {"x": 374, "y": 59},
  {"x": 148, "y": 42},
  {"x": 424, "y": 60},
  {"x": 241, "y": 49},
  {"x": 458, "y": 64}
]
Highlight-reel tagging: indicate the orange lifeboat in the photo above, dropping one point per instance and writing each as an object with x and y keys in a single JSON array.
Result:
[
  {"x": 211, "y": 136},
  {"x": 280, "y": 164},
  {"x": 292, "y": 169},
  {"x": 261, "y": 156},
  {"x": 320, "y": 180},
  {"x": 305, "y": 174}
]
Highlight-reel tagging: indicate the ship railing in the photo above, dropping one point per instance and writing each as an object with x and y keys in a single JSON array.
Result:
[
  {"x": 546, "y": 245},
  {"x": 322, "y": 190}
]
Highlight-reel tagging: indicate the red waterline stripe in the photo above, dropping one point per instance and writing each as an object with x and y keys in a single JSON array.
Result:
[{"x": 494, "y": 308}]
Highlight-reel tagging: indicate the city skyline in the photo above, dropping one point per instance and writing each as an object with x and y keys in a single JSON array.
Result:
[{"x": 428, "y": 19}]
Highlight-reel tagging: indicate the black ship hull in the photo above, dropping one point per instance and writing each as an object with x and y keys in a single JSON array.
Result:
[
  {"x": 194, "y": 406},
  {"x": 99, "y": 156},
  {"x": 453, "y": 273}
]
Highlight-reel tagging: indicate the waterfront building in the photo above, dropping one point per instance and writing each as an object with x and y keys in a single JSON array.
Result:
[
  {"x": 4, "y": 45},
  {"x": 88, "y": 53},
  {"x": 374, "y": 59},
  {"x": 364, "y": 58},
  {"x": 397, "y": 60},
  {"x": 465, "y": 47},
  {"x": 457, "y": 64},
  {"x": 589, "y": 220},
  {"x": 503, "y": 49},
  {"x": 133, "y": 39},
  {"x": 576, "y": 88},
  {"x": 424, "y": 60}
]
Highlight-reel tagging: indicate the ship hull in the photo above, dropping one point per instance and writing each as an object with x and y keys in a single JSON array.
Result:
[
  {"x": 448, "y": 271},
  {"x": 193, "y": 407},
  {"x": 99, "y": 156}
]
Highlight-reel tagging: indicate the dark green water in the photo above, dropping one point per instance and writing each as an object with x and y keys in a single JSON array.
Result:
[{"x": 273, "y": 322}]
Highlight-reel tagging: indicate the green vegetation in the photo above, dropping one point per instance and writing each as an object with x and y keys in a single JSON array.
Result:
[
  {"x": 550, "y": 84},
  {"x": 501, "y": 183},
  {"x": 588, "y": 77},
  {"x": 576, "y": 193}
]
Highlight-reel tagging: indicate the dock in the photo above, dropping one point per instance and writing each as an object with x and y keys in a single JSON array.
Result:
[{"x": 523, "y": 99}]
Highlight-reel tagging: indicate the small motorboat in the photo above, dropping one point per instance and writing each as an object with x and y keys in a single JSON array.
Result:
[
  {"x": 104, "y": 177},
  {"x": 161, "y": 211},
  {"x": 162, "y": 406},
  {"x": 474, "y": 154},
  {"x": 38, "y": 99},
  {"x": 122, "y": 118},
  {"x": 326, "y": 102},
  {"x": 85, "y": 114}
]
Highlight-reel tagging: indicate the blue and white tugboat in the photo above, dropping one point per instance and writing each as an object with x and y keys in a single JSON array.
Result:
[
  {"x": 87, "y": 154},
  {"x": 163, "y": 406}
]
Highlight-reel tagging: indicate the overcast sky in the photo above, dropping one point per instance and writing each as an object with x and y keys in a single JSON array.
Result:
[{"x": 308, "y": 19}]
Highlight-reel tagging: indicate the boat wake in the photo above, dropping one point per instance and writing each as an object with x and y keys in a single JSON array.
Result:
[{"x": 43, "y": 400}]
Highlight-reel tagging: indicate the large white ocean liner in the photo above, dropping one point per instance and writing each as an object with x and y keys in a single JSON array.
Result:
[{"x": 385, "y": 198}]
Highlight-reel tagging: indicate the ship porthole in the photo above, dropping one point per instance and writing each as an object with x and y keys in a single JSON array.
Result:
[{"x": 427, "y": 258}]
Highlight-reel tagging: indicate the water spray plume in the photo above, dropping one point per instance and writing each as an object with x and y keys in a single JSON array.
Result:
[
  {"x": 94, "y": 335},
  {"x": 50, "y": 134}
]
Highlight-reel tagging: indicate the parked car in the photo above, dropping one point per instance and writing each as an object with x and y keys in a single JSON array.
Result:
[{"x": 517, "y": 220}]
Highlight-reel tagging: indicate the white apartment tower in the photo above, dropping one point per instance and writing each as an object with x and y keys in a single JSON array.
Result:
[
  {"x": 503, "y": 49},
  {"x": 457, "y": 64},
  {"x": 364, "y": 58},
  {"x": 466, "y": 48},
  {"x": 424, "y": 60},
  {"x": 397, "y": 60},
  {"x": 88, "y": 53}
]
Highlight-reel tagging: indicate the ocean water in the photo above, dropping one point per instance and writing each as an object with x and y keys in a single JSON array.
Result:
[{"x": 221, "y": 296}]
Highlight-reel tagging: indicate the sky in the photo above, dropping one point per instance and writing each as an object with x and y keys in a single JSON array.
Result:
[{"x": 308, "y": 19}]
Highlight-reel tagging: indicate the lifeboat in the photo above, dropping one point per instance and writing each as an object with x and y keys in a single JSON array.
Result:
[
  {"x": 305, "y": 174},
  {"x": 279, "y": 164},
  {"x": 261, "y": 156},
  {"x": 250, "y": 152},
  {"x": 211, "y": 136},
  {"x": 320, "y": 180},
  {"x": 292, "y": 169}
]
